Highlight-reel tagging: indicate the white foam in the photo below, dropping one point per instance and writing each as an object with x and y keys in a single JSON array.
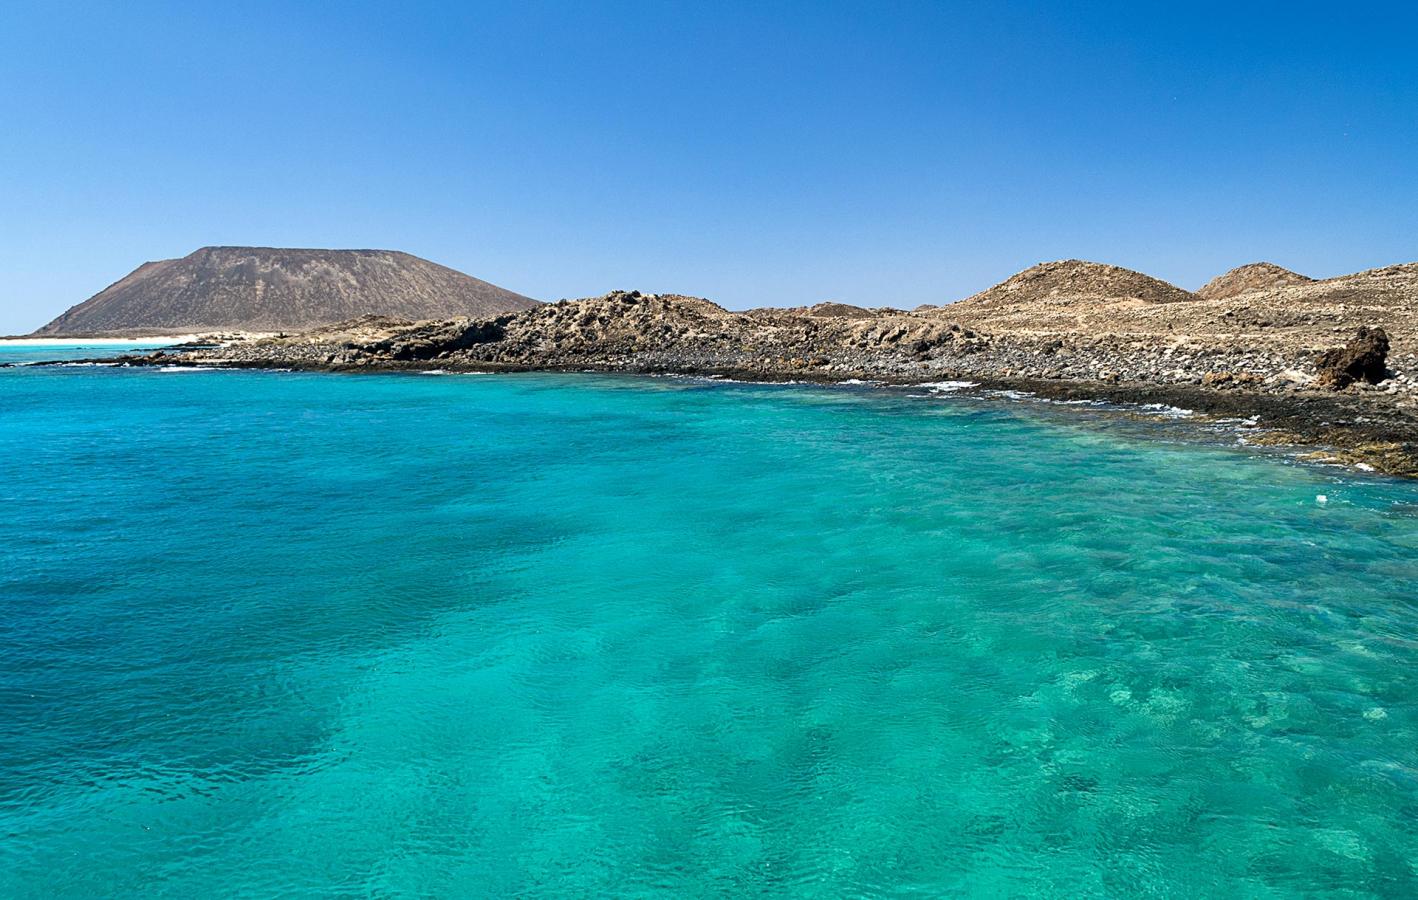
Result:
[
  {"x": 946, "y": 387},
  {"x": 1013, "y": 395},
  {"x": 724, "y": 379},
  {"x": 1168, "y": 412}
]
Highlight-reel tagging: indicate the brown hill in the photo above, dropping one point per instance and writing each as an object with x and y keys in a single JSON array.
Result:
[
  {"x": 833, "y": 310},
  {"x": 1075, "y": 279},
  {"x": 276, "y": 289},
  {"x": 1253, "y": 277}
]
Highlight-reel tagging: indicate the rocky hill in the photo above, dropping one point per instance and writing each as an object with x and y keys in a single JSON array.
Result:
[
  {"x": 1254, "y": 277},
  {"x": 1290, "y": 318},
  {"x": 266, "y": 289},
  {"x": 1071, "y": 280}
]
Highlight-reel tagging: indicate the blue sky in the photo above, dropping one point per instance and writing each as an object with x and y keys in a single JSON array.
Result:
[{"x": 755, "y": 153}]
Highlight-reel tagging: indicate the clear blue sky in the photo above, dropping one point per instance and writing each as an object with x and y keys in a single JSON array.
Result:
[{"x": 751, "y": 152}]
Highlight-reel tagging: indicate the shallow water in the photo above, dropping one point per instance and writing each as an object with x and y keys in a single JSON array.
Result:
[
  {"x": 295, "y": 634},
  {"x": 15, "y": 353}
]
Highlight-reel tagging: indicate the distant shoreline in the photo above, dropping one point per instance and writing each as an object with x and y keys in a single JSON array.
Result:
[{"x": 101, "y": 341}]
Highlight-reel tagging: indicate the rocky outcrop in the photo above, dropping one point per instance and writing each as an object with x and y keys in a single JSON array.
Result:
[
  {"x": 1253, "y": 277},
  {"x": 264, "y": 289},
  {"x": 1362, "y": 359}
]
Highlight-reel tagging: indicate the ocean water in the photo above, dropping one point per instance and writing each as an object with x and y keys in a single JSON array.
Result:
[{"x": 281, "y": 634}]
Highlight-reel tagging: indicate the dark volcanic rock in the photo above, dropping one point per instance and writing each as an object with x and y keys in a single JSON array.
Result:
[
  {"x": 1362, "y": 359},
  {"x": 272, "y": 289},
  {"x": 441, "y": 338}
]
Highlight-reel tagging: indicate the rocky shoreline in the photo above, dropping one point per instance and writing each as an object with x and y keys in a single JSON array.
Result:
[
  {"x": 1327, "y": 365},
  {"x": 1355, "y": 427}
]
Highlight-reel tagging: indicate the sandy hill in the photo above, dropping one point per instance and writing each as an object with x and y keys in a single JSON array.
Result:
[
  {"x": 277, "y": 289},
  {"x": 1253, "y": 277}
]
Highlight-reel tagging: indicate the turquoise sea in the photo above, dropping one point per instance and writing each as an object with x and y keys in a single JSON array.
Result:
[{"x": 275, "y": 634}]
